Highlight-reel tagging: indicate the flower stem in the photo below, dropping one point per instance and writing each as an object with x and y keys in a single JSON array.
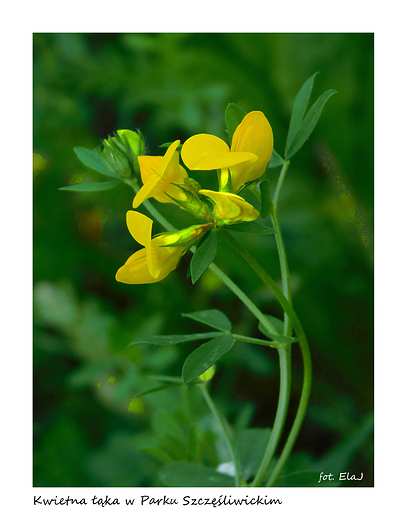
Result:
[
  {"x": 243, "y": 298},
  {"x": 302, "y": 408},
  {"x": 305, "y": 352},
  {"x": 282, "y": 407},
  {"x": 280, "y": 183},
  {"x": 284, "y": 353},
  {"x": 255, "y": 341},
  {"x": 225, "y": 432}
]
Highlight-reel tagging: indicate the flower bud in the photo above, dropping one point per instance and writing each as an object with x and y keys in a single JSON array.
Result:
[
  {"x": 120, "y": 153},
  {"x": 184, "y": 237},
  {"x": 208, "y": 374}
]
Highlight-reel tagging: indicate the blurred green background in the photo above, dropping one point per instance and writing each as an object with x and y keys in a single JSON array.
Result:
[{"x": 171, "y": 86}]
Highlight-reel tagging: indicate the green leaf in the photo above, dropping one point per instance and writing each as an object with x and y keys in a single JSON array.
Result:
[
  {"x": 309, "y": 122},
  {"x": 275, "y": 160},
  {"x": 203, "y": 256},
  {"x": 299, "y": 108},
  {"x": 211, "y": 317},
  {"x": 205, "y": 356},
  {"x": 92, "y": 186},
  {"x": 172, "y": 340},
  {"x": 265, "y": 190},
  {"x": 158, "y": 389},
  {"x": 279, "y": 326},
  {"x": 92, "y": 159},
  {"x": 251, "y": 227},
  {"x": 185, "y": 474},
  {"x": 233, "y": 117},
  {"x": 250, "y": 447}
]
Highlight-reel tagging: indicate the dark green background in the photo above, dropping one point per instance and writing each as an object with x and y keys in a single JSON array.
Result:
[{"x": 172, "y": 86}]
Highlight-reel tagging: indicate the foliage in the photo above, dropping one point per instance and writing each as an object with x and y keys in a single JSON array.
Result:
[{"x": 86, "y": 86}]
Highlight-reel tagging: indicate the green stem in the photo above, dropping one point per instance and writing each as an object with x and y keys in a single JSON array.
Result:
[
  {"x": 243, "y": 298},
  {"x": 302, "y": 408},
  {"x": 280, "y": 183},
  {"x": 285, "y": 354},
  {"x": 285, "y": 273},
  {"x": 305, "y": 352},
  {"x": 225, "y": 432},
  {"x": 282, "y": 407},
  {"x": 255, "y": 341},
  {"x": 271, "y": 284}
]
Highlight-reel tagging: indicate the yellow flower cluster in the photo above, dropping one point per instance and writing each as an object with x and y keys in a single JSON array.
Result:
[{"x": 165, "y": 180}]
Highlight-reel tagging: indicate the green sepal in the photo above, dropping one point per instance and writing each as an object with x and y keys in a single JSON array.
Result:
[
  {"x": 92, "y": 186},
  {"x": 233, "y": 117},
  {"x": 205, "y": 356},
  {"x": 193, "y": 204}
]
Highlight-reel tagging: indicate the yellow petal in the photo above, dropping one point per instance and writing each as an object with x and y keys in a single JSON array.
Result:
[
  {"x": 253, "y": 134},
  {"x": 162, "y": 260},
  {"x": 208, "y": 152},
  {"x": 146, "y": 191},
  {"x": 140, "y": 227},
  {"x": 135, "y": 270},
  {"x": 168, "y": 156},
  {"x": 230, "y": 208},
  {"x": 148, "y": 166},
  {"x": 159, "y": 176}
]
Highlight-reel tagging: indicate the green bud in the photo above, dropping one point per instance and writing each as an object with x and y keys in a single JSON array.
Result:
[
  {"x": 208, "y": 374},
  {"x": 120, "y": 153},
  {"x": 192, "y": 183},
  {"x": 184, "y": 237},
  {"x": 193, "y": 203}
]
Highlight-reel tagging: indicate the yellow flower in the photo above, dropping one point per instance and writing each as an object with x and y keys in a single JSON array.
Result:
[
  {"x": 159, "y": 176},
  {"x": 160, "y": 255},
  {"x": 230, "y": 208},
  {"x": 246, "y": 159}
]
